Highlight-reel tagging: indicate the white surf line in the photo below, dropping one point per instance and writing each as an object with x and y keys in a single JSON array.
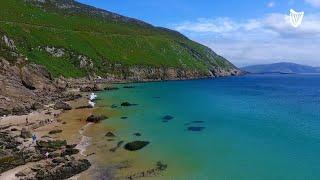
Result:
[
  {"x": 93, "y": 96},
  {"x": 85, "y": 140}
]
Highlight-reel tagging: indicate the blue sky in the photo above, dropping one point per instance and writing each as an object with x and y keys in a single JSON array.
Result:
[{"x": 245, "y": 32}]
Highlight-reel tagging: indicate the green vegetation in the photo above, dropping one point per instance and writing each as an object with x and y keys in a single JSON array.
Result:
[{"x": 107, "y": 40}]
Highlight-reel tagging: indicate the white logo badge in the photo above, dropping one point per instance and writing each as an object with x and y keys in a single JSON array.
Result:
[{"x": 296, "y": 18}]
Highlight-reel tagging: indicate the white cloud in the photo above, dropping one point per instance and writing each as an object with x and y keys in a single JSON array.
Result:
[
  {"x": 314, "y": 3},
  {"x": 261, "y": 40},
  {"x": 271, "y": 4}
]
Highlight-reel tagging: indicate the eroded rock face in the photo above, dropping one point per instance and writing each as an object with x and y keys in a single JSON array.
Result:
[
  {"x": 9, "y": 43},
  {"x": 21, "y": 87}
]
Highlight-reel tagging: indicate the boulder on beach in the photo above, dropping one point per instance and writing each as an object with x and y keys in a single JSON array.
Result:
[
  {"x": 63, "y": 171},
  {"x": 135, "y": 145},
  {"x": 96, "y": 118},
  {"x": 50, "y": 146},
  {"x": 69, "y": 151},
  {"x": 36, "y": 106},
  {"x": 25, "y": 133},
  {"x": 56, "y": 131},
  {"x": 62, "y": 105}
]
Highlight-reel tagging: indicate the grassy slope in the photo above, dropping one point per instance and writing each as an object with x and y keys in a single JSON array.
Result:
[{"x": 101, "y": 40}]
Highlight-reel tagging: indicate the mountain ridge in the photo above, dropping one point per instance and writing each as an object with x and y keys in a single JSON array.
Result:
[{"x": 281, "y": 67}]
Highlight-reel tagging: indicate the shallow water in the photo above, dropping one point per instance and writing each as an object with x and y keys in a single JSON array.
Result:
[{"x": 251, "y": 127}]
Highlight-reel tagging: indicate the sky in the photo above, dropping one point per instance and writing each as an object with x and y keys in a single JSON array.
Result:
[{"x": 246, "y": 32}]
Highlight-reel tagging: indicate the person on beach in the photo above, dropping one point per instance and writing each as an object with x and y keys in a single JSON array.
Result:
[
  {"x": 34, "y": 138},
  {"x": 27, "y": 121}
]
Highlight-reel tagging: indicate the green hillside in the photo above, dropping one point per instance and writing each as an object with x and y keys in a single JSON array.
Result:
[{"x": 72, "y": 39}]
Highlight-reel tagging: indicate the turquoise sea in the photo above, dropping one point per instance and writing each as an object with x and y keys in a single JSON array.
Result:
[{"x": 252, "y": 127}]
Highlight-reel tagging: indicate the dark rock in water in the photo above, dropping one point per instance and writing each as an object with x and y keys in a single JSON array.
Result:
[
  {"x": 96, "y": 118},
  {"x": 161, "y": 166},
  {"x": 192, "y": 128},
  {"x": 124, "y": 117},
  {"x": 126, "y": 104},
  {"x": 120, "y": 143},
  {"x": 167, "y": 118},
  {"x": 135, "y": 145},
  {"x": 193, "y": 122},
  {"x": 55, "y": 131},
  {"x": 25, "y": 133},
  {"x": 62, "y": 105},
  {"x": 128, "y": 87},
  {"x": 110, "y": 134},
  {"x": 137, "y": 134},
  {"x": 114, "y": 106},
  {"x": 197, "y": 121},
  {"x": 110, "y": 88}
]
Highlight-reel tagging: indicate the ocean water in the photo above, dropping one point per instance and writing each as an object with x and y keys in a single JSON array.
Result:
[{"x": 252, "y": 127}]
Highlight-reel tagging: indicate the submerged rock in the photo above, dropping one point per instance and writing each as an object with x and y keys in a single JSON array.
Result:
[
  {"x": 192, "y": 128},
  {"x": 96, "y": 118},
  {"x": 110, "y": 134},
  {"x": 114, "y": 106},
  {"x": 124, "y": 117},
  {"x": 126, "y": 104},
  {"x": 137, "y": 134},
  {"x": 167, "y": 118},
  {"x": 135, "y": 145},
  {"x": 128, "y": 87}
]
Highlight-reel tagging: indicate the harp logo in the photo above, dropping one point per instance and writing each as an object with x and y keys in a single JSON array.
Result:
[{"x": 296, "y": 18}]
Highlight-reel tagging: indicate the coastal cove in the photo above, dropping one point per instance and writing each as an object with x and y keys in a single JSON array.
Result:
[{"x": 227, "y": 128}]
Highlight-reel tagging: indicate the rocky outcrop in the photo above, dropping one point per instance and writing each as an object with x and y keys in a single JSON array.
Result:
[
  {"x": 62, "y": 105},
  {"x": 62, "y": 171},
  {"x": 55, "y": 52},
  {"x": 21, "y": 86}
]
